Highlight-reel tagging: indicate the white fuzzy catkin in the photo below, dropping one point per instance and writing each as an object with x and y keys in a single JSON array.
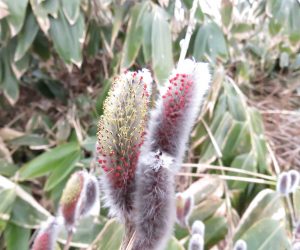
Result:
[
  {"x": 295, "y": 178},
  {"x": 173, "y": 118},
  {"x": 47, "y": 235},
  {"x": 283, "y": 184},
  {"x": 240, "y": 245},
  {"x": 154, "y": 201},
  {"x": 196, "y": 242},
  {"x": 198, "y": 227}
]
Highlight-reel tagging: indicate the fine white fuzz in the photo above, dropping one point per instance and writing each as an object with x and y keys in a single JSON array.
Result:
[
  {"x": 198, "y": 227},
  {"x": 284, "y": 184},
  {"x": 47, "y": 235},
  {"x": 295, "y": 178},
  {"x": 196, "y": 242},
  {"x": 240, "y": 245},
  {"x": 176, "y": 111},
  {"x": 154, "y": 201}
]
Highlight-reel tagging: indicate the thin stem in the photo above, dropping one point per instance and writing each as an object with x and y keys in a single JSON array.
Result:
[
  {"x": 69, "y": 239},
  {"x": 291, "y": 210},
  {"x": 189, "y": 32},
  {"x": 229, "y": 169},
  {"x": 234, "y": 178}
]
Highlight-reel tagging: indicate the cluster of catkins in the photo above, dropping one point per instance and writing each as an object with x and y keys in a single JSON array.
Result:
[
  {"x": 140, "y": 149},
  {"x": 80, "y": 195}
]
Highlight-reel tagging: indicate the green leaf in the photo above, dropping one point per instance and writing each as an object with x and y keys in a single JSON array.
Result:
[
  {"x": 102, "y": 96},
  {"x": 86, "y": 232},
  {"x": 215, "y": 230},
  {"x": 17, "y": 12},
  {"x": 147, "y": 34},
  {"x": 211, "y": 42},
  {"x": 205, "y": 209},
  {"x": 267, "y": 204},
  {"x": 16, "y": 237},
  {"x": 117, "y": 23},
  {"x": 110, "y": 236},
  {"x": 26, "y": 36},
  {"x": 241, "y": 28},
  {"x": 68, "y": 39},
  {"x": 204, "y": 188},
  {"x": 161, "y": 44},
  {"x": 29, "y": 140},
  {"x": 24, "y": 210},
  {"x": 220, "y": 129},
  {"x": 134, "y": 33},
  {"x": 61, "y": 172},
  {"x": 266, "y": 234},
  {"x": 48, "y": 161},
  {"x": 238, "y": 141},
  {"x": 8, "y": 79},
  {"x": 7, "y": 197},
  {"x": 42, "y": 10},
  {"x": 71, "y": 10},
  {"x": 27, "y": 215},
  {"x": 246, "y": 162},
  {"x": 174, "y": 244},
  {"x": 226, "y": 12},
  {"x": 296, "y": 202}
]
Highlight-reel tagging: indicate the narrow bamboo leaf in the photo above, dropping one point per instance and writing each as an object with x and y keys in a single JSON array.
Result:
[
  {"x": 42, "y": 10},
  {"x": 48, "y": 161},
  {"x": 29, "y": 140},
  {"x": 246, "y": 162},
  {"x": 205, "y": 209},
  {"x": 226, "y": 12},
  {"x": 267, "y": 204},
  {"x": 64, "y": 169},
  {"x": 117, "y": 23},
  {"x": 133, "y": 39},
  {"x": 296, "y": 202},
  {"x": 110, "y": 236},
  {"x": 147, "y": 34},
  {"x": 174, "y": 244},
  {"x": 266, "y": 234},
  {"x": 16, "y": 237},
  {"x": 215, "y": 230},
  {"x": 161, "y": 46},
  {"x": 86, "y": 232},
  {"x": 7, "y": 197},
  {"x": 238, "y": 141},
  {"x": 68, "y": 39},
  {"x": 71, "y": 10},
  {"x": 17, "y": 12},
  {"x": 26, "y": 36},
  {"x": 210, "y": 41}
]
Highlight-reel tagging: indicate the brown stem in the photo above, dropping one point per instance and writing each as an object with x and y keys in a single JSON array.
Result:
[
  {"x": 69, "y": 239},
  {"x": 129, "y": 232}
]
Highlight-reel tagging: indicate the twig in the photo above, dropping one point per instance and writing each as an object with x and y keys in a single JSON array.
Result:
[
  {"x": 229, "y": 169},
  {"x": 231, "y": 177},
  {"x": 69, "y": 239}
]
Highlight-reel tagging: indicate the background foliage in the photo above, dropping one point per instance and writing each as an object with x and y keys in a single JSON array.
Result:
[{"x": 57, "y": 60}]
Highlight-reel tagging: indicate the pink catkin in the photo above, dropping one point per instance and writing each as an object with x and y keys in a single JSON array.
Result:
[{"x": 45, "y": 239}]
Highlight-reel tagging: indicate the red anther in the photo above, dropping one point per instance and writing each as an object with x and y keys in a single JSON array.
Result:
[
  {"x": 176, "y": 92},
  {"x": 117, "y": 174},
  {"x": 181, "y": 88},
  {"x": 119, "y": 168},
  {"x": 164, "y": 97},
  {"x": 100, "y": 161}
]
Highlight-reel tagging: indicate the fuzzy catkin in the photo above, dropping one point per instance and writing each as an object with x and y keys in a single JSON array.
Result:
[
  {"x": 162, "y": 153},
  {"x": 46, "y": 237},
  {"x": 173, "y": 118},
  {"x": 121, "y": 132},
  {"x": 155, "y": 202}
]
